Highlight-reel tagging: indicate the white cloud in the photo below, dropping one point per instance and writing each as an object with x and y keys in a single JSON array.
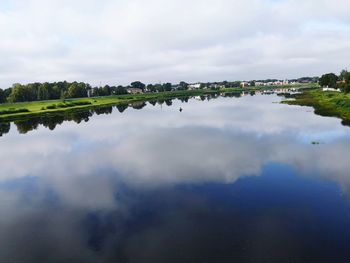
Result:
[{"x": 120, "y": 41}]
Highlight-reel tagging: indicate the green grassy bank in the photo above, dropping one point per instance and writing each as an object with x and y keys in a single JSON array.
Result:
[{"x": 331, "y": 104}]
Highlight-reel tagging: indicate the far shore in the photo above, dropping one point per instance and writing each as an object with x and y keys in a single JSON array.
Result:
[{"x": 15, "y": 111}]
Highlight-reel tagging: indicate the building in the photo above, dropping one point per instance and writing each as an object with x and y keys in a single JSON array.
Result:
[
  {"x": 330, "y": 89},
  {"x": 244, "y": 84},
  {"x": 194, "y": 86},
  {"x": 134, "y": 90}
]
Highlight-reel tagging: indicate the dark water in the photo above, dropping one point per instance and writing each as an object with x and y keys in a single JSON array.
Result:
[{"x": 225, "y": 180}]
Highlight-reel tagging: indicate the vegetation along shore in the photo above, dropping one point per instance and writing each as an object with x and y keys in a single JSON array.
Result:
[
  {"x": 27, "y": 101},
  {"x": 332, "y": 99}
]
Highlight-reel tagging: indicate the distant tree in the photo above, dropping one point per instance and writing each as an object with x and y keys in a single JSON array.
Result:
[
  {"x": 106, "y": 90},
  {"x": 2, "y": 96},
  {"x": 18, "y": 93},
  {"x": 252, "y": 83},
  {"x": 167, "y": 86},
  {"x": 183, "y": 85},
  {"x": 151, "y": 88},
  {"x": 88, "y": 89},
  {"x": 7, "y": 93},
  {"x": 329, "y": 80},
  {"x": 138, "y": 85},
  {"x": 159, "y": 87},
  {"x": 344, "y": 81},
  {"x": 95, "y": 92},
  {"x": 343, "y": 74},
  {"x": 77, "y": 90},
  {"x": 342, "y": 85},
  {"x": 236, "y": 84},
  {"x": 120, "y": 90},
  {"x": 32, "y": 91},
  {"x": 347, "y": 83},
  {"x": 43, "y": 92},
  {"x": 55, "y": 92}
]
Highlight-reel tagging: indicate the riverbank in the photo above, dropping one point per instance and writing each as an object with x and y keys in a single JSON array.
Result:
[
  {"x": 16, "y": 111},
  {"x": 330, "y": 104}
]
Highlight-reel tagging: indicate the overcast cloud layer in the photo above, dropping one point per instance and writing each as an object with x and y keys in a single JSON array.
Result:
[{"x": 116, "y": 42}]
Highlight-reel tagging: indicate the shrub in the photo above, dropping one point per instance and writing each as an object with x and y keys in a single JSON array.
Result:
[
  {"x": 12, "y": 111},
  {"x": 51, "y": 107}
]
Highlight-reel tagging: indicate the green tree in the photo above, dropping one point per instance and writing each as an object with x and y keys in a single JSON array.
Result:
[
  {"x": 347, "y": 83},
  {"x": 2, "y": 96},
  {"x": 167, "y": 86},
  {"x": 151, "y": 88},
  {"x": 183, "y": 85},
  {"x": 43, "y": 91},
  {"x": 77, "y": 90},
  {"x": 106, "y": 90},
  {"x": 55, "y": 92},
  {"x": 18, "y": 93},
  {"x": 138, "y": 85},
  {"x": 159, "y": 87},
  {"x": 329, "y": 80},
  {"x": 120, "y": 90},
  {"x": 344, "y": 74}
]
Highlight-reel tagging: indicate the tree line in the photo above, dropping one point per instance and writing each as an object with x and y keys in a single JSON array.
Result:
[
  {"x": 341, "y": 81},
  {"x": 65, "y": 90},
  {"x": 56, "y": 90}
]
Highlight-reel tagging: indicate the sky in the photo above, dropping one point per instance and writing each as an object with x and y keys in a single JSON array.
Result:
[{"x": 119, "y": 41}]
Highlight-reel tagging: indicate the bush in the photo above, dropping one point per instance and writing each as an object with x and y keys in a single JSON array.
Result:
[
  {"x": 12, "y": 111},
  {"x": 51, "y": 107},
  {"x": 68, "y": 104}
]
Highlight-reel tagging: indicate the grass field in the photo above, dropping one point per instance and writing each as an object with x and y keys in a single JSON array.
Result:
[{"x": 332, "y": 104}]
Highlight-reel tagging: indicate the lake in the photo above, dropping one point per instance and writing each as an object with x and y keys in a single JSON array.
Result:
[{"x": 228, "y": 179}]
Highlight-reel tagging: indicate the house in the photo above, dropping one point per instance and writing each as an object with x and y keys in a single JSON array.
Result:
[
  {"x": 134, "y": 90},
  {"x": 194, "y": 86},
  {"x": 244, "y": 84},
  {"x": 260, "y": 83},
  {"x": 216, "y": 86}
]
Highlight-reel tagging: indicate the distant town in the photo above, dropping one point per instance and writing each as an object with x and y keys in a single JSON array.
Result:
[
  {"x": 65, "y": 90},
  {"x": 139, "y": 88}
]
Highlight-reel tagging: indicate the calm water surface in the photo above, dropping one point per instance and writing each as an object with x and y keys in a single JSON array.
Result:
[{"x": 226, "y": 180}]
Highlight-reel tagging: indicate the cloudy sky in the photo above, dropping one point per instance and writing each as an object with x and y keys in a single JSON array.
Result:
[{"x": 118, "y": 41}]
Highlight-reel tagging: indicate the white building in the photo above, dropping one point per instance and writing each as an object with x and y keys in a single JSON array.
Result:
[
  {"x": 194, "y": 86},
  {"x": 331, "y": 89}
]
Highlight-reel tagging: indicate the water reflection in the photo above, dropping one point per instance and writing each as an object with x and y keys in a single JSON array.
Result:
[
  {"x": 4, "y": 128},
  {"x": 226, "y": 180}
]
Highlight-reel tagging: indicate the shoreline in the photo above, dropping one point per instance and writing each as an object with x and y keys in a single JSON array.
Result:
[
  {"x": 325, "y": 103},
  {"x": 36, "y": 108}
]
